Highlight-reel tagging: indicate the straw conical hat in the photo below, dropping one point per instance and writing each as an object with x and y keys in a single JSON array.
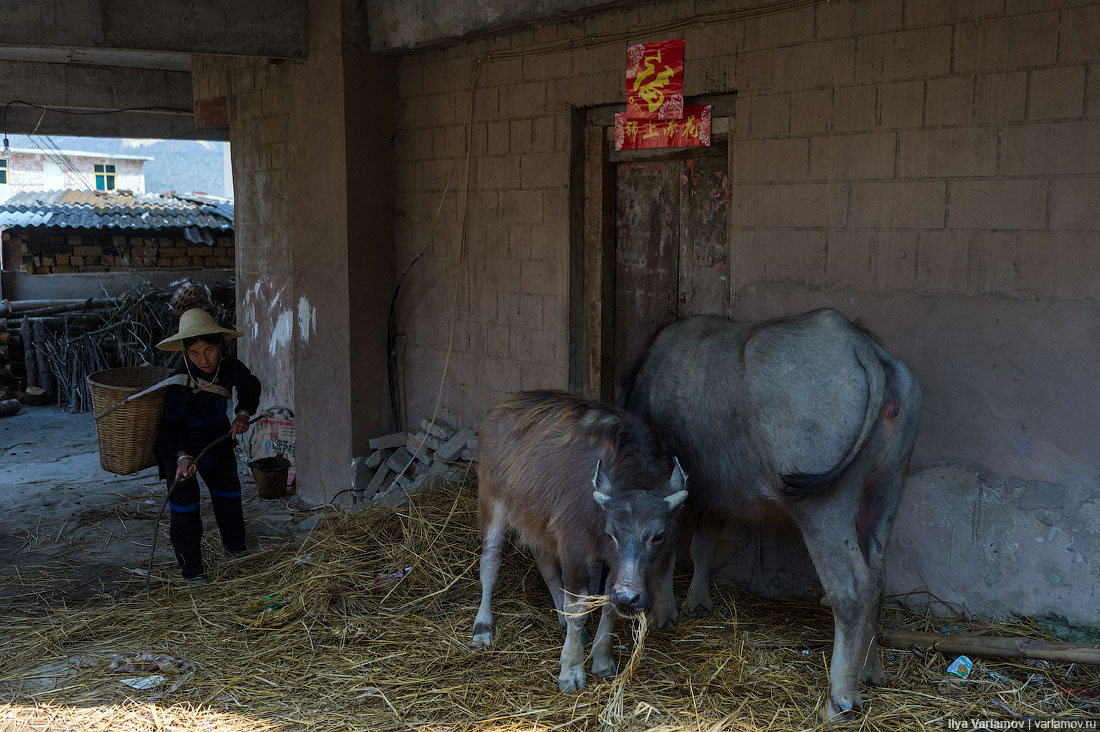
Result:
[{"x": 195, "y": 322}]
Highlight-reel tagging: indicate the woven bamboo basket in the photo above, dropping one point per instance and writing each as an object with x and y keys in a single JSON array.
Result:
[{"x": 126, "y": 435}]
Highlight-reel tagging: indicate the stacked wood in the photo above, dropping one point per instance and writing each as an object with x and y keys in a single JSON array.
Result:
[{"x": 48, "y": 348}]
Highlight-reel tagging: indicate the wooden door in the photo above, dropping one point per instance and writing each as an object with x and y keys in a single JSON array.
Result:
[{"x": 671, "y": 247}]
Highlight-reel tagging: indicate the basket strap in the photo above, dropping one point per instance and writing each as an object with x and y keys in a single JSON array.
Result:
[
  {"x": 196, "y": 384},
  {"x": 174, "y": 380}
]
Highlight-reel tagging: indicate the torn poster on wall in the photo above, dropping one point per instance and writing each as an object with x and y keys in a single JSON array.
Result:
[
  {"x": 655, "y": 80},
  {"x": 691, "y": 131}
]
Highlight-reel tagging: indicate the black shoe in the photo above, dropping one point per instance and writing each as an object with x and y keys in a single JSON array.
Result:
[{"x": 194, "y": 583}]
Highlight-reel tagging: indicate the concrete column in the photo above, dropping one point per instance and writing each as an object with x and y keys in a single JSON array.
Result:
[
  {"x": 313, "y": 174},
  {"x": 340, "y": 182}
]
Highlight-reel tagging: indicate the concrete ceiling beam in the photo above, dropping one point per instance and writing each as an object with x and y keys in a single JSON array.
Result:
[
  {"x": 71, "y": 91},
  {"x": 406, "y": 24},
  {"x": 270, "y": 28}
]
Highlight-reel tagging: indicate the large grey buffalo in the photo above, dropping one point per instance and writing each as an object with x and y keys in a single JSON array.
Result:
[
  {"x": 804, "y": 418},
  {"x": 586, "y": 487}
]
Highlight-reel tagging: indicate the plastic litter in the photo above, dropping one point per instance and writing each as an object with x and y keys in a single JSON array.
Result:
[
  {"x": 959, "y": 670},
  {"x": 397, "y": 576},
  {"x": 143, "y": 682},
  {"x": 274, "y": 601}
]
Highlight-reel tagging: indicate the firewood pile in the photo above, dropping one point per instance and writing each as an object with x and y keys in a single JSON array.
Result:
[{"x": 48, "y": 348}]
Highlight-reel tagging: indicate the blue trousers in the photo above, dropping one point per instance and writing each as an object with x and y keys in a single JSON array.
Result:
[{"x": 186, "y": 521}]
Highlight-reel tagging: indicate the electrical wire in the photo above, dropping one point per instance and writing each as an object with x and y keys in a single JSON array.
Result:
[{"x": 462, "y": 259}]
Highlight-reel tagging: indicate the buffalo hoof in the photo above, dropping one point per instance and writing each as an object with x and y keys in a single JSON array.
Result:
[
  {"x": 662, "y": 621},
  {"x": 483, "y": 637},
  {"x": 571, "y": 680},
  {"x": 839, "y": 710},
  {"x": 604, "y": 669},
  {"x": 700, "y": 610}
]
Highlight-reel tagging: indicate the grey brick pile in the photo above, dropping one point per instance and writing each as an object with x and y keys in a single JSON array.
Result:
[{"x": 403, "y": 464}]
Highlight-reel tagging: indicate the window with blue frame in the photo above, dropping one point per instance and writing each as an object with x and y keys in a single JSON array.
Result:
[{"x": 104, "y": 177}]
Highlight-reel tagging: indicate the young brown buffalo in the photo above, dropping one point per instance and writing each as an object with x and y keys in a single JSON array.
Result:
[{"x": 586, "y": 487}]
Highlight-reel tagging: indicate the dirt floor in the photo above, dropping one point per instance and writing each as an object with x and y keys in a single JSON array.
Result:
[{"x": 63, "y": 517}]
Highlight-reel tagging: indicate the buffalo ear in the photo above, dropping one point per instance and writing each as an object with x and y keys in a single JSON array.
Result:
[
  {"x": 675, "y": 500},
  {"x": 679, "y": 479},
  {"x": 601, "y": 498}
]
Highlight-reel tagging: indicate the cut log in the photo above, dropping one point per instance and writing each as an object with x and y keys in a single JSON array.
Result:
[
  {"x": 994, "y": 646},
  {"x": 29, "y": 361},
  {"x": 36, "y": 396},
  {"x": 9, "y": 407},
  {"x": 8, "y": 308},
  {"x": 45, "y": 377}
]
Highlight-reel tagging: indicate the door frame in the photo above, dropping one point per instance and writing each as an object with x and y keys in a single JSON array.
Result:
[{"x": 592, "y": 183}]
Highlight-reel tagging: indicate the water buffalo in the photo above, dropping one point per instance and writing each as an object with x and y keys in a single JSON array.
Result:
[
  {"x": 804, "y": 418},
  {"x": 586, "y": 487}
]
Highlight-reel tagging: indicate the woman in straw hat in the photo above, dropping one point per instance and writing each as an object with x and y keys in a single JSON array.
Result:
[{"x": 195, "y": 416}]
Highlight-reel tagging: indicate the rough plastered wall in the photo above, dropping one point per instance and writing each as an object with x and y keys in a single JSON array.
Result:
[
  {"x": 932, "y": 167},
  {"x": 258, "y": 94},
  {"x": 27, "y": 172}
]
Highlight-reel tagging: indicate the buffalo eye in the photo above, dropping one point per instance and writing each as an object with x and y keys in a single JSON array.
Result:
[
  {"x": 612, "y": 538},
  {"x": 657, "y": 538}
]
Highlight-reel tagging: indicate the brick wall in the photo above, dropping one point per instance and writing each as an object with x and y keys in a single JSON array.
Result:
[
  {"x": 511, "y": 323},
  {"x": 928, "y": 147},
  {"x": 95, "y": 251}
]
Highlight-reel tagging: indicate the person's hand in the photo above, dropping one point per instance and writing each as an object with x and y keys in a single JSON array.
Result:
[
  {"x": 240, "y": 424},
  {"x": 185, "y": 467}
]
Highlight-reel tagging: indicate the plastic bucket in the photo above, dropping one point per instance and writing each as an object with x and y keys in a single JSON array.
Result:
[{"x": 270, "y": 475}]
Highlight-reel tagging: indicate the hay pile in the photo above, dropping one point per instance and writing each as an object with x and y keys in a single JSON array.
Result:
[{"x": 318, "y": 635}]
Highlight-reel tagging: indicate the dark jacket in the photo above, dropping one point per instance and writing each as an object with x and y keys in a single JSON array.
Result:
[{"x": 191, "y": 420}]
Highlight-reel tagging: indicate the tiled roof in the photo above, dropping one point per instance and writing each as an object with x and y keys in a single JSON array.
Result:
[{"x": 200, "y": 217}]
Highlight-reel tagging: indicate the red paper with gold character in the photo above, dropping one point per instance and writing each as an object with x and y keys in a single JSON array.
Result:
[
  {"x": 691, "y": 131},
  {"x": 655, "y": 80}
]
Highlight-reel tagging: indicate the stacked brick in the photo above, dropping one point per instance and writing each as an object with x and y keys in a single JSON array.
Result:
[
  {"x": 40, "y": 253},
  {"x": 404, "y": 464}
]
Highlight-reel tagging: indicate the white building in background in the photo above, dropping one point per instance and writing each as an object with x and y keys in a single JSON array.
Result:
[{"x": 37, "y": 170}]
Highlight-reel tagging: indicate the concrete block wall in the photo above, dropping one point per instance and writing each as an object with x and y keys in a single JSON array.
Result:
[
  {"x": 940, "y": 148},
  {"x": 510, "y": 330},
  {"x": 931, "y": 167}
]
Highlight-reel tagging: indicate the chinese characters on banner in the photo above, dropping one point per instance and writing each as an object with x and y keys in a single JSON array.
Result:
[
  {"x": 655, "y": 80},
  {"x": 691, "y": 131},
  {"x": 655, "y": 112}
]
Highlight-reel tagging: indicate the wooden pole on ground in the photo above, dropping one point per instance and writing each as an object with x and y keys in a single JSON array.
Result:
[{"x": 993, "y": 646}]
